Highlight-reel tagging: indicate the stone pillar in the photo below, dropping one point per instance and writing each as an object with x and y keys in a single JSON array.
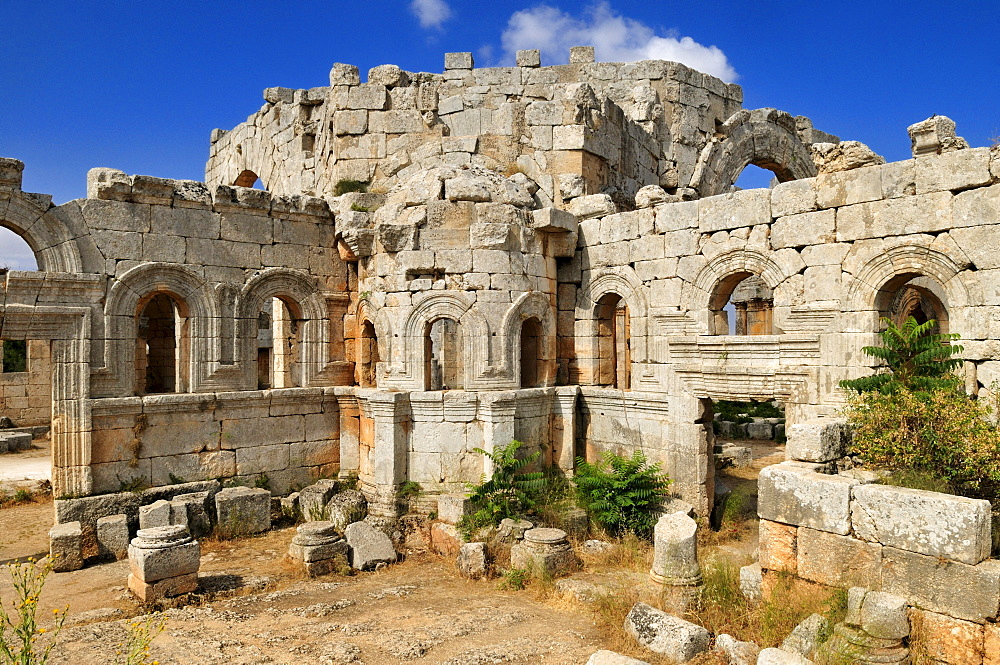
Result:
[
  {"x": 691, "y": 462},
  {"x": 350, "y": 442},
  {"x": 163, "y": 562},
  {"x": 496, "y": 411},
  {"x": 873, "y": 631},
  {"x": 71, "y": 420},
  {"x": 390, "y": 416},
  {"x": 543, "y": 552},
  {"x": 319, "y": 548},
  {"x": 675, "y": 559},
  {"x": 564, "y": 428}
]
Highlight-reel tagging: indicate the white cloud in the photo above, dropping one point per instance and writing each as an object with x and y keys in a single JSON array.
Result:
[
  {"x": 431, "y": 13},
  {"x": 14, "y": 252},
  {"x": 615, "y": 38}
]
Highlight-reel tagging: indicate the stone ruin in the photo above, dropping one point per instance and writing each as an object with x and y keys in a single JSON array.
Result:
[{"x": 540, "y": 253}]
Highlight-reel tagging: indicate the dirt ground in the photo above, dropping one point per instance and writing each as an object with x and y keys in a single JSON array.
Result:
[{"x": 262, "y": 610}]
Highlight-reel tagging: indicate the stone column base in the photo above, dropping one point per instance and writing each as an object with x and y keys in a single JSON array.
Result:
[{"x": 172, "y": 586}]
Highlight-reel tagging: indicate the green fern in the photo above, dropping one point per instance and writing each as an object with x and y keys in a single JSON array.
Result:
[
  {"x": 509, "y": 492},
  {"x": 915, "y": 358},
  {"x": 622, "y": 494}
]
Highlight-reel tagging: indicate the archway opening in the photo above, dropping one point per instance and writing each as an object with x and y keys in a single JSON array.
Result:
[
  {"x": 755, "y": 177},
  {"x": 742, "y": 305},
  {"x": 914, "y": 295},
  {"x": 248, "y": 179},
  {"x": 532, "y": 370},
  {"x": 443, "y": 363},
  {"x": 614, "y": 356},
  {"x": 15, "y": 253},
  {"x": 368, "y": 357},
  {"x": 278, "y": 345},
  {"x": 162, "y": 345}
]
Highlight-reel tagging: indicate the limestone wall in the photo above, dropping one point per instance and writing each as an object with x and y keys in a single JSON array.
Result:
[
  {"x": 841, "y": 530},
  {"x": 27, "y": 396}
]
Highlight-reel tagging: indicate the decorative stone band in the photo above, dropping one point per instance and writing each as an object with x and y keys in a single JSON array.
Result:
[
  {"x": 161, "y": 537},
  {"x": 665, "y": 580}
]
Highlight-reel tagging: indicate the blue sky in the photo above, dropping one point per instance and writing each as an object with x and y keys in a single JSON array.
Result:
[{"x": 139, "y": 86}]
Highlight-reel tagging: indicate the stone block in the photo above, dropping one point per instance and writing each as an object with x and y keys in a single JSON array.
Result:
[
  {"x": 167, "y": 588},
  {"x": 957, "y": 589},
  {"x": 750, "y": 207},
  {"x": 808, "y": 228},
  {"x": 604, "y": 657},
  {"x": 458, "y": 60},
  {"x": 946, "y": 639},
  {"x": 193, "y": 510},
  {"x": 154, "y": 514},
  {"x": 66, "y": 547},
  {"x": 581, "y": 54},
  {"x": 161, "y": 552},
  {"x": 805, "y": 637},
  {"x": 884, "y": 616},
  {"x": 839, "y": 561},
  {"x": 528, "y": 58},
  {"x": 345, "y": 508},
  {"x": 793, "y": 197},
  {"x": 112, "y": 537},
  {"x": 445, "y": 539},
  {"x": 313, "y": 499},
  {"x": 317, "y": 541},
  {"x": 931, "y": 523},
  {"x": 575, "y": 522},
  {"x": 795, "y": 495},
  {"x": 666, "y": 634},
  {"x": 772, "y": 656},
  {"x": 751, "y": 581},
  {"x": 242, "y": 511},
  {"x": 736, "y": 652},
  {"x": 675, "y": 556},
  {"x": 472, "y": 562},
  {"x": 592, "y": 205},
  {"x": 960, "y": 169},
  {"x": 544, "y": 552},
  {"x": 760, "y": 431},
  {"x": 818, "y": 440},
  {"x": 368, "y": 547},
  {"x": 453, "y": 507}
]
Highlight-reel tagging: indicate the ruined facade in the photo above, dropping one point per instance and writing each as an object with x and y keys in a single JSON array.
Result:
[{"x": 542, "y": 253}]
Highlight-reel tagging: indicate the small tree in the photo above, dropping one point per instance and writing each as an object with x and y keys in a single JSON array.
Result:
[
  {"x": 622, "y": 494},
  {"x": 916, "y": 358},
  {"x": 508, "y": 492}
]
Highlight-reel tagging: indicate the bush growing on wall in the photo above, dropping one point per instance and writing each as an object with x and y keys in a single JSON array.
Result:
[
  {"x": 622, "y": 494},
  {"x": 912, "y": 419},
  {"x": 508, "y": 492}
]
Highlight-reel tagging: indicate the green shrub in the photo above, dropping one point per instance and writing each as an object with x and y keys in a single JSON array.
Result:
[
  {"x": 514, "y": 579},
  {"x": 915, "y": 358},
  {"x": 345, "y": 186},
  {"x": 19, "y": 631},
  {"x": 141, "y": 633},
  {"x": 15, "y": 355},
  {"x": 622, "y": 494},
  {"x": 509, "y": 492},
  {"x": 940, "y": 437}
]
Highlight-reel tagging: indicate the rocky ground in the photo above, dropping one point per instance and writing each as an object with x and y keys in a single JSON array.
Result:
[{"x": 259, "y": 609}]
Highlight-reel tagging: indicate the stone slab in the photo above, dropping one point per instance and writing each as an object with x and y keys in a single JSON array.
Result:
[
  {"x": 795, "y": 495},
  {"x": 957, "y": 589}
]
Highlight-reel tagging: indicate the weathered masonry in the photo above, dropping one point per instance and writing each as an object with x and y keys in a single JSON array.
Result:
[{"x": 543, "y": 253}]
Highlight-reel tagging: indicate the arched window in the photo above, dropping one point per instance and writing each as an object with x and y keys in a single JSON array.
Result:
[
  {"x": 613, "y": 343},
  {"x": 532, "y": 363},
  {"x": 246, "y": 179},
  {"x": 914, "y": 295},
  {"x": 742, "y": 305},
  {"x": 162, "y": 345},
  {"x": 15, "y": 253},
  {"x": 443, "y": 365},
  {"x": 368, "y": 358}
]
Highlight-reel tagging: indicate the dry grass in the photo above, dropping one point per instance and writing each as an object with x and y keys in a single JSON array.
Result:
[{"x": 725, "y": 610}]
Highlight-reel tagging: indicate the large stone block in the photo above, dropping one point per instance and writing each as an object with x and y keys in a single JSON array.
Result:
[
  {"x": 112, "y": 537},
  {"x": 772, "y": 656},
  {"x": 931, "y": 523},
  {"x": 750, "y": 207},
  {"x": 666, "y": 634},
  {"x": 778, "y": 546},
  {"x": 946, "y": 639},
  {"x": 161, "y": 552},
  {"x": 604, "y": 657},
  {"x": 957, "y": 589},
  {"x": 796, "y": 495},
  {"x": 839, "y": 561},
  {"x": 369, "y": 547},
  {"x": 453, "y": 507},
  {"x": 819, "y": 440},
  {"x": 66, "y": 547},
  {"x": 242, "y": 511},
  {"x": 472, "y": 560},
  {"x": 346, "y": 507}
]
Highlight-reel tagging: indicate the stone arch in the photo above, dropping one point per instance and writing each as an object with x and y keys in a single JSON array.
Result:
[
  {"x": 133, "y": 289},
  {"x": 368, "y": 313},
  {"x": 246, "y": 178},
  {"x": 764, "y": 137},
  {"x": 410, "y": 355},
  {"x": 608, "y": 284},
  {"x": 50, "y": 239},
  {"x": 531, "y": 305},
  {"x": 716, "y": 281},
  {"x": 305, "y": 303},
  {"x": 881, "y": 274}
]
